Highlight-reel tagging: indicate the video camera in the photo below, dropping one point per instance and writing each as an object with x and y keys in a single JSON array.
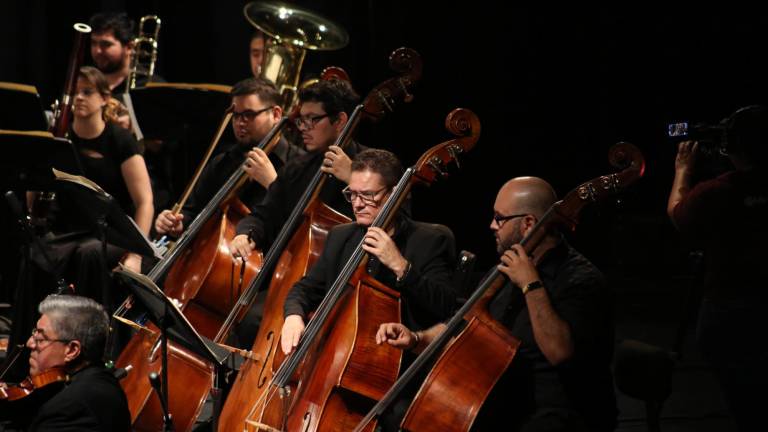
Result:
[{"x": 711, "y": 138}]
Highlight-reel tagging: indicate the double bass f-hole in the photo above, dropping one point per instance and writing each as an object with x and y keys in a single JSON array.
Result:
[{"x": 262, "y": 377}]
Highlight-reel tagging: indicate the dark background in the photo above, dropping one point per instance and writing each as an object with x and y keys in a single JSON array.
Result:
[{"x": 553, "y": 87}]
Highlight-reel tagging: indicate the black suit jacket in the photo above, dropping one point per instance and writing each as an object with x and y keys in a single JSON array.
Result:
[
  {"x": 428, "y": 294},
  {"x": 93, "y": 401}
]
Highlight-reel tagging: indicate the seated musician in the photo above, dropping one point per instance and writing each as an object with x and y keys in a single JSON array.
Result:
[
  {"x": 325, "y": 109},
  {"x": 71, "y": 334},
  {"x": 558, "y": 305},
  {"x": 112, "y": 48},
  {"x": 256, "y": 110},
  {"x": 111, "y": 158},
  {"x": 414, "y": 258},
  {"x": 256, "y": 51}
]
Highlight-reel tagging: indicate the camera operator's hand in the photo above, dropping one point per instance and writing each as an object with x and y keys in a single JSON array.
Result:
[
  {"x": 687, "y": 152},
  {"x": 684, "y": 167}
]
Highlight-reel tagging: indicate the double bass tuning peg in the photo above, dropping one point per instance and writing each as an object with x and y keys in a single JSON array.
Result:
[
  {"x": 437, "y": 166},
  {"x": 454, "y": 151}
]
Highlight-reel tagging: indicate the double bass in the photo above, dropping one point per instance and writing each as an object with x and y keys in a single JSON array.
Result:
[
  {"x": 475, "y": 349},
  {"x": 199, "y": 273},
  {"x": 298, "y": 246},
  {"x": 343, "y": 370}
]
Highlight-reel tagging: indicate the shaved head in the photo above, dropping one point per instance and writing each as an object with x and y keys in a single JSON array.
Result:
[
  {"x": 525, "y": 198},
  {"x": 528, "y": 195}
]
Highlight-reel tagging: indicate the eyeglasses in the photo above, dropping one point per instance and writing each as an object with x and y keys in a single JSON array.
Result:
[
  {"x": 309, "y": 122},
  {"x": 368, "y": 198},
  {"x": 39, "y": 340},
  {"x": 248, "y": 115},
  {"x": 500, "y": 219}
]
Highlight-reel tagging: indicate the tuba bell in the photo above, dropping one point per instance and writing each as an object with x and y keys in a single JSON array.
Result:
[
  {"x": 144, "y": 50},
  {"x": 291, "y": 32}
]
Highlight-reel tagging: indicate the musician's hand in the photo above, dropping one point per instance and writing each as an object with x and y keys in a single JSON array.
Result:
[
  {"x": 397, "y": 335},
  {"x": 293, "y": 328},
  {"x": 241, "y": 247},
  {"x": 378, "y": 243},
  {"x": 685, "y": 162},
  {"x": 337, "y": 162},
  {"x": 518, "y": 267},
  {"x": 132, "y": 262},
  {"x": 259, "y": 167},
  {"x": 168, "y": 223}
]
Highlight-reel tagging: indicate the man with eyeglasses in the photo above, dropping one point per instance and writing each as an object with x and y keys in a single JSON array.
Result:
[
  {"x": 324, "y": 110},
  {"x": 558, "y": 305},
  {"x": 70, "y": 335},
  {"x": 255, "y": 111},
  {"x": 414, "y": 258}
]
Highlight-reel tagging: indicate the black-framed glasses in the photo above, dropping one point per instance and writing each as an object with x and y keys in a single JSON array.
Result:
[
  {"x": 501, "y": 219},
  {"x": 40, "y": 339},
  {"x": 309, "y": 122},
  {"x": 368, "y": 198},
  {"x": 248, "y": 115}
]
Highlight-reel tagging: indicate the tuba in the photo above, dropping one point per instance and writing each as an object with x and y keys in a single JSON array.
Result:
[
  {"x": 145, "y": 51},
  {"x": 291, "y": 32}
]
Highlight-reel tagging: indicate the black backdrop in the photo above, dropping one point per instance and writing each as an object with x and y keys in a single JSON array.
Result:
[{"x": 554, "y": 89}]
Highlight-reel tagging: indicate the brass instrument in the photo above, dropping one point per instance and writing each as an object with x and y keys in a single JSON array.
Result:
[
  {"x": 292, "y": 31},
  {"x": 144, "y": 51}
]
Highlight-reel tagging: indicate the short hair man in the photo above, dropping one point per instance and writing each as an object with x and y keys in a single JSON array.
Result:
[{"x": 71, "y": 334}]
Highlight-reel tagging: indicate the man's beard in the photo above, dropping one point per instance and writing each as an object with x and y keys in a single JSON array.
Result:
[{"x": 111, "y": 66}]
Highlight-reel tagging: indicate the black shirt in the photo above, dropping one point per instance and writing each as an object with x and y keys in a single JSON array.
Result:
[
  {"x": 583, "y": 383},
  {"x": 92, "y": 401},
  {"x": 115, "y": 145},
  {"x": 267, "y": 217},
  {"x": 428, "y": 295},
  {"x": 222, "y": 166}
]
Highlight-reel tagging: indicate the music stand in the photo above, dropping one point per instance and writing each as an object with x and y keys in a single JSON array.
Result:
[
  {"x": 28, "y": 157},
  {"x": 21, "y": 108},
  {"x": 102, "y": 212},
  {"x": 172, "y": 323}
]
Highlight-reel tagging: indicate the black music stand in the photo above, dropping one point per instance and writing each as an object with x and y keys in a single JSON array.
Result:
[
  {"x": 21, "y": 108},
  {"x": 172, "y": 323},
  {"x": 105, "y": 216},
  {"x": 28, "y": 157}
]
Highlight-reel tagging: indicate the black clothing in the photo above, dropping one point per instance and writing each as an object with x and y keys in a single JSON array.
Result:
[
  {"x": 580, "y": 390},
  {"x": 93, "y": 401},
  {"x": 267, "y": 217},
  {"x": 222, "y": 166},
  {"x": 428, "y": 296},
  {"x": 116, "y": 145}
]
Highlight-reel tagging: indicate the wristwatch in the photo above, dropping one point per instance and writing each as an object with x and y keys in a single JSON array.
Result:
[{"x": 532, "y": 286}]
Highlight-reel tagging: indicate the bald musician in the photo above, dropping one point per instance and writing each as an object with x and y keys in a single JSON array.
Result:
[{"x": 557, "y": 304}]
